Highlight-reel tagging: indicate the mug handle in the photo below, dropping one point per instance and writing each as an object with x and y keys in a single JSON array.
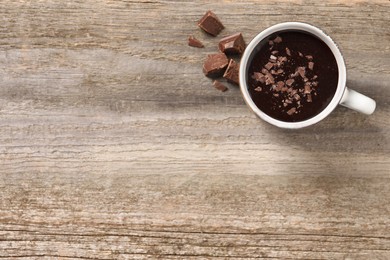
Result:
[{"x": 358, "y": 102}]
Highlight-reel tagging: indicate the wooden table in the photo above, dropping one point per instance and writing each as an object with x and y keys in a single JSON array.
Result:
[{"x": 115, "y": 146}]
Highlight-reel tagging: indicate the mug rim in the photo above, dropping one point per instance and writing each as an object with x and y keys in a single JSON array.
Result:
[{"x": 341, "y": 84}]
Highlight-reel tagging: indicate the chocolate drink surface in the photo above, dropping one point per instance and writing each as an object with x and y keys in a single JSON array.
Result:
[{"x": 293, "y": 76}]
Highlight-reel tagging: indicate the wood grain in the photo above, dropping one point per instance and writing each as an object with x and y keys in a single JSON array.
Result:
[{"x": 115, "y": 146}]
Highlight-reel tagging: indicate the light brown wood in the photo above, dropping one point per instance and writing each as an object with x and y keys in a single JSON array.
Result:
[{"x": 115, "y": 146}]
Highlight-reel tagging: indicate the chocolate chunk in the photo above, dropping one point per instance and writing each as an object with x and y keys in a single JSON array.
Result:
[
  {"x": 211, "y": 24},
  {"x": 215, "y": 64},
  {"x": 309, "y": 98},
  {"x": 289, "y": 82},
  {"x": 192, "y": 41},
  {"x": 258, "y": 89},
  {"x": 278, "y": 39},
  {"x": 291, "y": 111},
  {"x": 233, "y": 44},
  {"x": 231, "y": 73},
  {"x": 279, "y": 71},
  {"x": 259, "y": 77},
  {"x": 310, "y": 65},
  {"x": 219, "y": 85}
]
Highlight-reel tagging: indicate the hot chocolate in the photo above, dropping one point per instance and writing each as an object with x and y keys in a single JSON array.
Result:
[{"x": 293, "y": 76}]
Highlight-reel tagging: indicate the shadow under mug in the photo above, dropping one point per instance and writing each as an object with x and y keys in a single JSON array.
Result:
[{"x": 343, "y": 95}]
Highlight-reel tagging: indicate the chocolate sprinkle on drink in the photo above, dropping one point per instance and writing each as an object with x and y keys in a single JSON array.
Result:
[
  {"x": 219, "y": 85},
  {"x": 211, "y": 24},
  {"x": 231, "y": 73},
  {"x": 293, "y": 76},
  {"x": 233, "y": 44},
  {"x": 215, "y": 64},
  {"x": 193, "y": 42}
]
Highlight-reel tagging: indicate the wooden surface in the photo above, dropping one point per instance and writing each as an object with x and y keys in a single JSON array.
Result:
[{"x": 115, "y": 146}]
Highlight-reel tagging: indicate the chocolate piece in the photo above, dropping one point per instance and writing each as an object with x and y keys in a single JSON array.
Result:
[
  {"x": 269, "y": 65},
  {"x": 215, "y": 64},
  {"x": 307, "y": 89},
  {"x": 193, "y": 42},
  {"x": 231, "y": 73},
  {"x": 258, "y": 89},
  {"x": 291, "y": 111},
  {"x": 219, "y": 85},
  {"x": 289, "y": 82},
  {"x": 309, "y": 57},
  {"x": 310, "y": 65},
  {"x": 288, "y": 52},
  {"x": 278, "y": 39},
  {"x": 211, "y": 24},
  {"x": 233, "y": 44},
  {"x": 258, "y": 77},
  {"x": 301, "y": 71}
]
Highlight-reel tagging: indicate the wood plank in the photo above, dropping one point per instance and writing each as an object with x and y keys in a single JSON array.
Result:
[{"x": 115, "y": 146}]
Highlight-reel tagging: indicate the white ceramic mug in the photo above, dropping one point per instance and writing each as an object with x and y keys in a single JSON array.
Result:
[{"x": 343, "y": 96}]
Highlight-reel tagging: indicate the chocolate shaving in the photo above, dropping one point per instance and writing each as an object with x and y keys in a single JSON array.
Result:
[
  {"x": 310, "y": 65},
  {"x": 258, "y": 89},
  {"x": 219, "y": 85},
  {"x": 211, "y": 24},
  {"x": 269, "y": 79},
  {"x": 274, "y": 52},
  {"x": 193, "y": 42}
]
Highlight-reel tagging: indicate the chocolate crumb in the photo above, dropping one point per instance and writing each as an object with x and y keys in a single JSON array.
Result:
[
  {"x": 300, "y": 54},
  {"x": 211, "y": 24},
  {"x": 309, "y": 57},
  {"x": 301, "y": 71},
  {"x": 269, "y": 79},
  {"x": 314, "y": 77},
  {"x": 275, "y": 52},
  {"x": 310, "y": 65},
  {"x": 278, "y": 39},
  {"x": 288, "y": 52},
  {"x": 297, "y": 97},
  {"x": 272, "y": 58},
  {"x": 289, "y": 82},
  {"x": 314, "y": 83},
  {"x": 307, "y": 89},
  {"x": 258, "y": 89},
  {"x": 309, "y": 98},
  {"x": 279, "y": 85},
  {"x": 291, "y": 111},
  {"x": 259, "y": 77},
  {"x": 279, "y": 71},
  {"x": 193, "y": 42},
  {"x": 219, "y": 85},
  {"x": 269, "y": 65}
]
